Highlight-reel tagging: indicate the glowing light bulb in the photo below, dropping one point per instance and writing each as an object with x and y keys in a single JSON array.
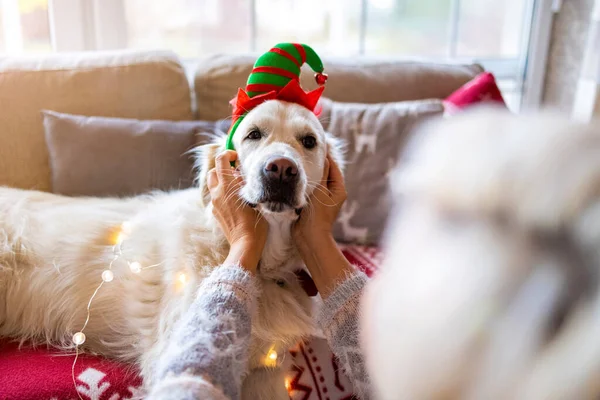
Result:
[
  {"x": 79, "y": 338},
  {"x": 271, "y": 359},
  {"x": 135, "y": 267},
  {"x": 117, "y": 237},
  {"x": 120, "y": 233},
  {"x": 272, "y": 355},
  {"x": 126, "y": 228},
  {"x": 182, "y": 278},
  {"x": 288, "y": 384},
  {"x": 107, "y": 275}
]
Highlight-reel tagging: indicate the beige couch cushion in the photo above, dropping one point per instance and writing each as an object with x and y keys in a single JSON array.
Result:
[
  {"x": 350, "y": 80},
  {"x": 147, "y": 85}
]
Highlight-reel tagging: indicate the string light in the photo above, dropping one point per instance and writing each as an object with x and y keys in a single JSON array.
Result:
[
  {"x": 117, "y": 236},
  {"x": 79, "y": 338},
  {"x": 288, "y": 384},
  {"x": 116, "y": 239},
  {"x": 182, "y": 277},
  {"x": 271, "y": 358},
  {"x": 107, "y": 275},
  {"x": 180, "y": 282},
  {"x": 135, "y": 267},
  {"x": 126, "y": 228},
  {"x": 273, "y": 355}
]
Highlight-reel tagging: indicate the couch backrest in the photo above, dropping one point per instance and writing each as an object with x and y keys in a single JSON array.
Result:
[
  {"x": 146, "y": 85},
  {"x": 350, "y": 80},
  {"x": 153, "y": 85}
]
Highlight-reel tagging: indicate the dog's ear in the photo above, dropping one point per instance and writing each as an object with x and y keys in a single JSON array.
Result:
[
  {"x": 336, "y": 149},
  {"x": 205, "y": 161}
]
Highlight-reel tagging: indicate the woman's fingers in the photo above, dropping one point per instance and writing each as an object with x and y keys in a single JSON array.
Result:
[
  {"x": 322, "y": 192},
  {"x": 212, "y": 180},
  {"x": 223, "y": 165},
  {"x": 325, "y": 176},
  {"x": 223, "y": 178},
  {"x": 336, "y": 181}
]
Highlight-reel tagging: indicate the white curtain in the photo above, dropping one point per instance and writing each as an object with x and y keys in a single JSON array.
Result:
[{"x": 587, "y": 97}]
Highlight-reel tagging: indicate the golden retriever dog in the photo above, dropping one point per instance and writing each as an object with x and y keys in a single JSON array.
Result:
[
  {"x": 54, "y": 250},
  {"x": 490, "y": 286}
]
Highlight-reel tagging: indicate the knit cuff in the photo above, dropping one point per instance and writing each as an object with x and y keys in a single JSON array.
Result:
[
  {"x": 234, "y": 278},
  {"x": 343, "y": 301}
]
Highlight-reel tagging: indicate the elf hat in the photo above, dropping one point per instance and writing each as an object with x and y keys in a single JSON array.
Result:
[{"x": 276, "y": 76}]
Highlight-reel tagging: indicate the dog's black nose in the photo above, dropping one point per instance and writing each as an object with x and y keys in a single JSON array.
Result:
[{"x": 282, "y": 168}]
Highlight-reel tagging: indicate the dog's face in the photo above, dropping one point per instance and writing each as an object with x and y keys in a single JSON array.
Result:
[{"x": 282, "y": 149}]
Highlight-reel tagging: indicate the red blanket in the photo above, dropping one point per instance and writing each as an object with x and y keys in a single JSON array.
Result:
[{"x": 42, "y": 374}]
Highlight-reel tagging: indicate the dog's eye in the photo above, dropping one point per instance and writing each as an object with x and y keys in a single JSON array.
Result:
[
  {"x": 255, "y": 134},
  {"x": 309, "y": 142}
]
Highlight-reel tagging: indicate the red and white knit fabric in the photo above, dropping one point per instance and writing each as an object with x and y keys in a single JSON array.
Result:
[
  {"x": 367, "y": 258},
  {"x": 314, "y": 374},
  {"x": 42, "y": 374}
]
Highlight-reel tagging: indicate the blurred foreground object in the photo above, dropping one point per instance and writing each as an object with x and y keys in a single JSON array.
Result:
[
  {"x": 490, "y": 285},
  {"x": 587, "y": 96}
]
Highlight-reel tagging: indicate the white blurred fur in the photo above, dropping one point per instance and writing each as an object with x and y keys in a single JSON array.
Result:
[
  {"x": 490, "y": 285},
  {"x": 53, "y": 250}
]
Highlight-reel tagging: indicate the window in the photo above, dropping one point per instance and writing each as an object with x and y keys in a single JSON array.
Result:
[
  {"x": 501, "y": 35},
  {"x": 436, "y": 28},
  {"x": 190, "y": 28},
  {"x": 331, "y": 27},
  {"x": 24, "y": 26}
]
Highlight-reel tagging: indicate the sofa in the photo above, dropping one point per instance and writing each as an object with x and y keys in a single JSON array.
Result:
[{"x": 159, "y": 86}]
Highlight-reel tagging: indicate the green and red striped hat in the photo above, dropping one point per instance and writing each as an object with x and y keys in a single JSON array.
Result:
[{"x": 276, "y": 76}]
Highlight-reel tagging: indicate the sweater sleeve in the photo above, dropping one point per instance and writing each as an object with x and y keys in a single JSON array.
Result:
[
  {"x": 339, "y": 319},
  {"x": 208, "y": 351}
]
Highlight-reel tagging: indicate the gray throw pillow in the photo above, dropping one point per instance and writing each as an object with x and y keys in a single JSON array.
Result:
[
  {"x": 101, "y": 156},
  {"x": 375, "y": 135}
]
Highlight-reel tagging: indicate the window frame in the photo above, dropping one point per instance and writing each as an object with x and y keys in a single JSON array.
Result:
[{"x": 83, "y": 25}]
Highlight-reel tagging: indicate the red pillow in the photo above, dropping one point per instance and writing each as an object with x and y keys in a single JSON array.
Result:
[{"x": 481, "y": 89}]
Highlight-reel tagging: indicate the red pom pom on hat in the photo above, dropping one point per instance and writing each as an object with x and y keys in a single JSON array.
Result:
[{"x": 321, "y": 78}]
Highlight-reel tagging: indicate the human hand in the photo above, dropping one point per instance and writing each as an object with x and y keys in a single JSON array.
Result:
[
  {"x": 313, "y": 231},
  {"x": 244, "y": 227},
  {"x": 316, "y": 219}
]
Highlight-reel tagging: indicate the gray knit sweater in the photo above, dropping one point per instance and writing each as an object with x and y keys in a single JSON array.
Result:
[{"x": 206, "y": 358}]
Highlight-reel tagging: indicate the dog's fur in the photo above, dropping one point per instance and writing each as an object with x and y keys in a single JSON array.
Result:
[
  {"x": 53, "y": 250},
  {"x": 492, "y": 264}
]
